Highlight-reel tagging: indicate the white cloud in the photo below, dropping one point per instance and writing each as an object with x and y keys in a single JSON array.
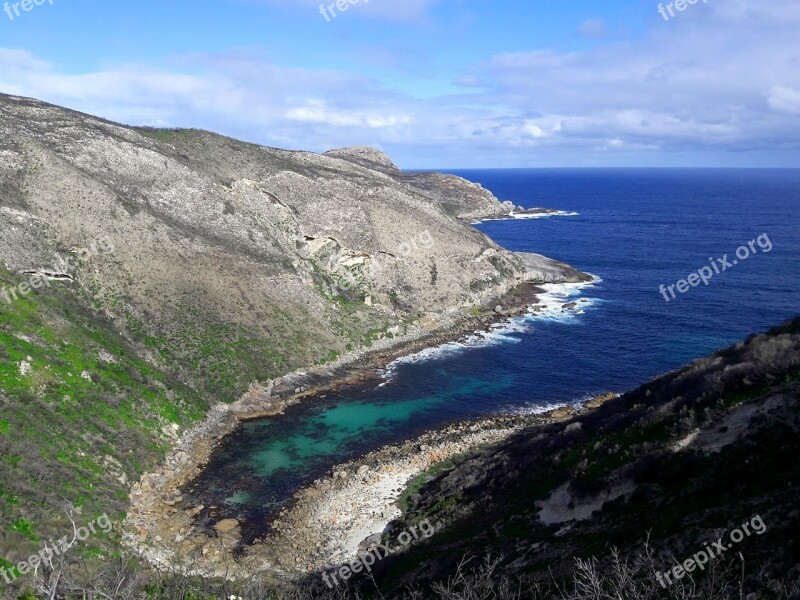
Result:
[
  {"x": 721, "y": 81},
  {"x": 784, "y": 99},
  {"x": 316, "y": 111}
]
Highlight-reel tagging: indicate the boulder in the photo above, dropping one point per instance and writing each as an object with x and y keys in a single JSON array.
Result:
[{"x": 226, "y": 526}]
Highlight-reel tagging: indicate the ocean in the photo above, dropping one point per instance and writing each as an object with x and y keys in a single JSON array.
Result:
[{"x": 635, "y": 230}]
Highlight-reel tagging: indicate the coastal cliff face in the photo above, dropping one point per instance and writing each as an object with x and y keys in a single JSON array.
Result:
[{"x": 232, "y": 262}]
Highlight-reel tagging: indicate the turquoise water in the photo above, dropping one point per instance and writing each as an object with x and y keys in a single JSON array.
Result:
[
  {"x": 635, "y": 230},
  {"x": 329, "y": 429},
  {"x": 258, "y": 467}
]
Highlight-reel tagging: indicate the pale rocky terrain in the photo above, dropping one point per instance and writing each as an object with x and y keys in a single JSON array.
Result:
[
  {"x": 455, "y": 195},
  {"x": 233, "y": 262}
]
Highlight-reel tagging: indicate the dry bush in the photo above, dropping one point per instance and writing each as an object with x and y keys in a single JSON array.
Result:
[{"x": 617, "y": 579}]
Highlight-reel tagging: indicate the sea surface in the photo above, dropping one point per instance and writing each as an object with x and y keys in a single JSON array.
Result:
[{"x": 634, "y": 229}]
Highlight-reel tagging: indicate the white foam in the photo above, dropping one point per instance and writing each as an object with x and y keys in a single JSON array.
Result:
[
  {"x": 550, "y": 308},
  {"x": 533, "y": 408},
  {"x": 558, "y": 213},
  {"x": 518, "y": 216}
]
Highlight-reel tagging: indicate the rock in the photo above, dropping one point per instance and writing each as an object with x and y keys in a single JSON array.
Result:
[
  {"x": 363, "y": 469},
  {"x": 499, "y": 310},
  {"x": 561, "y": 414},
  {"x": 172, "y": 499},
  {"x": 226, "y": 525},
  {"x": 598, "y": 401}
]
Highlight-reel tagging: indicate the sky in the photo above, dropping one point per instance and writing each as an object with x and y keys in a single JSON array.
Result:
[{"x": 433, "y": 83}]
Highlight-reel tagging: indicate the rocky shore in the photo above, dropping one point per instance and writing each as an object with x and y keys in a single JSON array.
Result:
[
  {"x": 329, "y": 522},
  {"x": 331, "y": 518},
  {"x": 344, "y": 514}
]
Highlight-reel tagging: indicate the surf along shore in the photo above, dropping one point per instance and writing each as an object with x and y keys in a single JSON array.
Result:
[{"x": 328, "y": 521}]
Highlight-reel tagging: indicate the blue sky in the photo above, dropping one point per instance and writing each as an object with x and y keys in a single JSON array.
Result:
[{"x": 434, "y": 83}]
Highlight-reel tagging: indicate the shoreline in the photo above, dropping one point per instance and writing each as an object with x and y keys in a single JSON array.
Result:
[
  {"x": 529, "y": 213},
  {"x": 336, "y": 518},
  {"x": 160, "y": 526}
]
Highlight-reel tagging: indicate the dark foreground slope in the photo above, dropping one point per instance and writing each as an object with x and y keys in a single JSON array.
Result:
[{"x": 680, "y": 461}]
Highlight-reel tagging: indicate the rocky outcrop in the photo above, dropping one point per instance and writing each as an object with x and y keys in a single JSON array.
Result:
[
  {"x": 454, "y": 195},
  {"x": 366, "y": 157}
]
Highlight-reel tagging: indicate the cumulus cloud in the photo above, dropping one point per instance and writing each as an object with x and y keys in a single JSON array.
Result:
[{"x": 784, "y": 99}]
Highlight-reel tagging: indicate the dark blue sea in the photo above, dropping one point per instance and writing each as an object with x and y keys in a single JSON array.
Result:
[{"x": 635, "y": 230}]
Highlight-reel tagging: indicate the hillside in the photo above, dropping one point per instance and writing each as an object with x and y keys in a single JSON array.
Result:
[
  {"x": 234, "y": 262},
  {"x": 456, "y": 196},
  {"x": 81, "y": 417}
]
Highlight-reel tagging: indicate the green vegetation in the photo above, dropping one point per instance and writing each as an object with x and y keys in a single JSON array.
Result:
[
  {"x": 82, "y": 415},
  {"x": 416, "y": 484},
  {"x": 168, "y": 135}
]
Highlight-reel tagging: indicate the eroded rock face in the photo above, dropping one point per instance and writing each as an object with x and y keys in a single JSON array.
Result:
[
  {"x": 274, "y": 259},
  {"x": 365, "y": 156},
  {"x": 454, "y": 195}
]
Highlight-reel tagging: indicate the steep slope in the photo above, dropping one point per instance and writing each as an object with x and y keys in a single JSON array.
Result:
[
  {"x": 234, "y": 262},
  {"x": 677, "y": 463}
]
